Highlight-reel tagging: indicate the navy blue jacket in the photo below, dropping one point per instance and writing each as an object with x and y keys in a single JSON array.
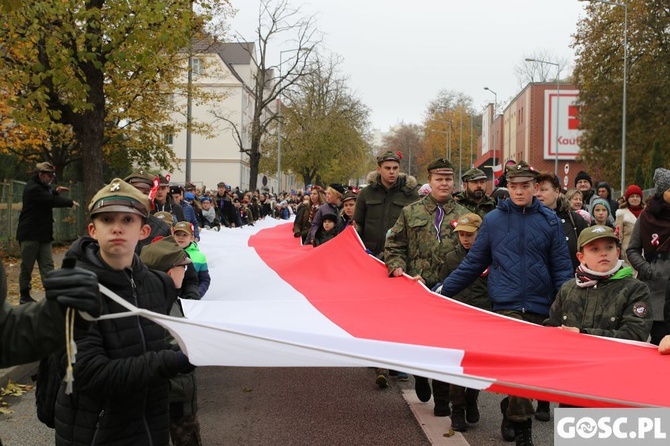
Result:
[{"x": 528, "y": 255}]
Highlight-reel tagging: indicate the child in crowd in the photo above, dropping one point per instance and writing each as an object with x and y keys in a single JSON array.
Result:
[
  {"x": 183, "y": 234},
  {"x": 167, "y": 256},
  {"x": 123, "y": 365},
  {"x": 604, "y": 299},
  {"x": 463, "y": 400},
  {"x": 328, "y": 230},
  {"x": 208, "y": 217},
  {"x": 602, "y": 215},
  {"x": 347, "y": 214}
]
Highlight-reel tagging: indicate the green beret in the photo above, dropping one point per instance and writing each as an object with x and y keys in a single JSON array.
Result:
[
  {"x": 441, "y": 165},
  {"x": 119, "y": 196},
  {"x": 474, "y": 174},
  {"x": 389, "y": 156},
  {"x": 521, "y": 173},
  {"x": 164, "y": 254}
]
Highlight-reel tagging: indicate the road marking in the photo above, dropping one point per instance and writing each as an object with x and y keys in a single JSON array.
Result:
[{"x": 434, "y": 427}]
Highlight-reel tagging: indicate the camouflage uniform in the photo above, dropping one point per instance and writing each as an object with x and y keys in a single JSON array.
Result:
[
  {"x": 412, "y": 243},
  {"x": 482, "y": 208},
  {"x": 617, "y": 308}
]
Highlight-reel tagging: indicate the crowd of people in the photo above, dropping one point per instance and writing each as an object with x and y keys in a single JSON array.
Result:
[{"x": 529, "y": 250}]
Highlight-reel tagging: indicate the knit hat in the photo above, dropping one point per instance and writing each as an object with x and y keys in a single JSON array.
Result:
[
  {"x": 119, "y": 196},
  {"x": 164, "y": 254},
  {"x": 603, "y": 202},
  {"x": 594, "y": 233},
  {"x": 331, "y": 217},
  {"x": 661, "y": 180},
  {"x": 468, "y": 223},
  {"x": 633, "y": 189},
  {"x": 583, "y": 176}
]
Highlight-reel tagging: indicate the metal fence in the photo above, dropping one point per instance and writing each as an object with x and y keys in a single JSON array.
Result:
[{"x": 68, "y": 223}]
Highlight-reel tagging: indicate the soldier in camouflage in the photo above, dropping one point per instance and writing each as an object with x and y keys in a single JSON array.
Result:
[
  {"x": 417, "y": 245},
  {"x": 474, "y": 195},
  {"x": 604, "y": 299}
]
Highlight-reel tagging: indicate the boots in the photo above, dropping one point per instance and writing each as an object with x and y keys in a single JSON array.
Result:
[
  {"x": 422, "y": 388},
  {"x": 507, "y": 427},
  {"x": 25, "y": 297},
  {"x": 441, "y": 399},
  {"x": 524, "y": 433},
  {"x": 471, "y": 409},
  {"x": 542, "y": 413},
  {"x": 458, "y": 419}
]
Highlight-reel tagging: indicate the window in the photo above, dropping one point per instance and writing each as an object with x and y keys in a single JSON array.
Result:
[
  {"x": 168, "y": 139},
  {"x": 196, "y": 66}
]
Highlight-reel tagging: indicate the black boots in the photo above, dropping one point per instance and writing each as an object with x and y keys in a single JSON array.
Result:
[
  {"x": 471, "y": 408},
  {"x": 542, "y": 413},
  {"x": 422, "y": 388},
  {"x": 507, "y": 427},
  {"x": 458, "y": 419},
  {"x": 524, "y": 432},
  {"x": 25, "y": 297}
]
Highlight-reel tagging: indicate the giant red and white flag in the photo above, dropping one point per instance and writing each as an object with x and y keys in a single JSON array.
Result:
[{"x": 275, "y": 303}]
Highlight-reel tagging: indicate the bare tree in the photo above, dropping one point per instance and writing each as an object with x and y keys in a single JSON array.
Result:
[
  {"x": 277, "y": 21},
  {"x": 527, "y": 72}
]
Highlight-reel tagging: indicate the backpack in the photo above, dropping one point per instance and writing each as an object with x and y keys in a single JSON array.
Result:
[{"x": 50, "y": 375}]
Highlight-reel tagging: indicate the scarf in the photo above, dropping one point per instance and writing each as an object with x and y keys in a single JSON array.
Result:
[
  {"x": 587, "y": 278},
  {"x": 635, "y": 210},
  {"x": 209, "y": 214},
  {"x": 655, "y": 228}
]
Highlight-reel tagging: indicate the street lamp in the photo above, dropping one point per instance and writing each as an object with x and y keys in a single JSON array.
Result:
[
  {"x": 558, "y": 103},
  {"x": 625, "y": 68},
  {"x": 495, "y": 110}
]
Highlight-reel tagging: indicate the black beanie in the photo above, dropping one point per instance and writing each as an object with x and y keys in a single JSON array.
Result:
[{"x": 583, "y": 176}]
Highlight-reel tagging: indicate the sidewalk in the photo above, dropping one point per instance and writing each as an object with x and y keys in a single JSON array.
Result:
[{"x": 22, "y": 372}]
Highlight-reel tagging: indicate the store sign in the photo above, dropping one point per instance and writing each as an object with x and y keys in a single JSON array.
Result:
[{"x": 562, "y": 135}]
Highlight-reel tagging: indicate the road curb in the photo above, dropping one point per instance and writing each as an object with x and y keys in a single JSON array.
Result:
[{"x": 18, "y": 373}]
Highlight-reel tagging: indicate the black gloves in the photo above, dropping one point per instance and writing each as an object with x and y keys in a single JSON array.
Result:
[{"x": 74, "y": 287}]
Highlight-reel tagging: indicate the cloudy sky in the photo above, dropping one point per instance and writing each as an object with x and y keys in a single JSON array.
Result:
[{"x": 399, "y": 54}]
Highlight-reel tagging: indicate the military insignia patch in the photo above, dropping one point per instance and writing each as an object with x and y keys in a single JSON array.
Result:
[
  {"x": 640, "y": 309},
  {"x": 115, "y": 186}
]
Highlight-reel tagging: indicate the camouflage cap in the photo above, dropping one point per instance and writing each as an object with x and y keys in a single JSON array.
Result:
[
  {"x": 165, "y": 216},
  {"x": 164, "y": 254},
  {"x": 46, "y": 166},
  {"x": 468, "y": 223},
  {"x": 389, "y": 156},
  {"x": 119, "y": 196},
  {"x": 474, "y": 174},
  {"x": 184, "y": 226},
  {"x": 594, "y": 233},
  {"x": 521, "y": 173},
  {"x": 441, "y": 165}
]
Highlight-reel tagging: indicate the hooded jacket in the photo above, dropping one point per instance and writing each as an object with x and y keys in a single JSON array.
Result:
[
  {"x": 120, "y": 393},
  {"x": 378, "y": 208},
  {"x": 528, "y": 257}
]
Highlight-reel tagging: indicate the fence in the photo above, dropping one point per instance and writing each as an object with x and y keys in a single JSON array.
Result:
[{"x": 68, "y": 223}]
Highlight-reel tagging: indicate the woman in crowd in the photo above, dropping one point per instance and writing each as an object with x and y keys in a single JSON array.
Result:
[
  {"x": 333, "y": 203},
  {"x": 575, "y": 198},
  {"x": 626, "y": 216}
]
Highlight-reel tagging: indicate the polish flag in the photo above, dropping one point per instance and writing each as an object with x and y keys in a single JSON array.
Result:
[
  {"x": 497, "y": 170},
  {"x": 275, "y": 303}
]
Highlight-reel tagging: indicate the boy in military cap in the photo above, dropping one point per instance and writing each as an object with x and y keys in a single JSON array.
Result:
[
  {"x": 348, "y": 208},
  {"x": 183, "y": 234},
  {"x": 123, "y": 364},
  {"x": 474, "y": 195},
  {"x": 167, "y": 256},
  {"x": 144, "y": 182},
  {"x": 522, "y": 241},
  {"x": 464, "y": 401},
  {"x": 419, "y": 249},
  {"x": 617, "y": 304},
  {"x": 163, "y": 200}
]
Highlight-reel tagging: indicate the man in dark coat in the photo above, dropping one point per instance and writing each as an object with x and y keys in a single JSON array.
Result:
[
  {"x": 379, "y": 204},
  {"x": 474, "y": 195},
  {"x": 35, "y": 229}
]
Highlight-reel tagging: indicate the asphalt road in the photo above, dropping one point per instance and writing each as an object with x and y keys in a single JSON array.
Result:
[{"x": 302, "y": 406}]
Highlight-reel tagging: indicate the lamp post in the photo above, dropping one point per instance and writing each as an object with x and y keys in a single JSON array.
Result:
[
  {"x": 558, "y": 103},
  {"x": 625, "y": 68},
  {"x": 495, "y": 111}
]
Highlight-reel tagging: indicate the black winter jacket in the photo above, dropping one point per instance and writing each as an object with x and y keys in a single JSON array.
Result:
[
  {"x": 123, "y": 365},
  {"x": 36, "y": 218}
]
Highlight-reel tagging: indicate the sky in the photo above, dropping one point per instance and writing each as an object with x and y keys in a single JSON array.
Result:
[{"x": 397, "y": 55}]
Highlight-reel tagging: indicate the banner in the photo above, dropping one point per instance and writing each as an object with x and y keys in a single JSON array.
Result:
[{"x": 274, "y": 303}]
